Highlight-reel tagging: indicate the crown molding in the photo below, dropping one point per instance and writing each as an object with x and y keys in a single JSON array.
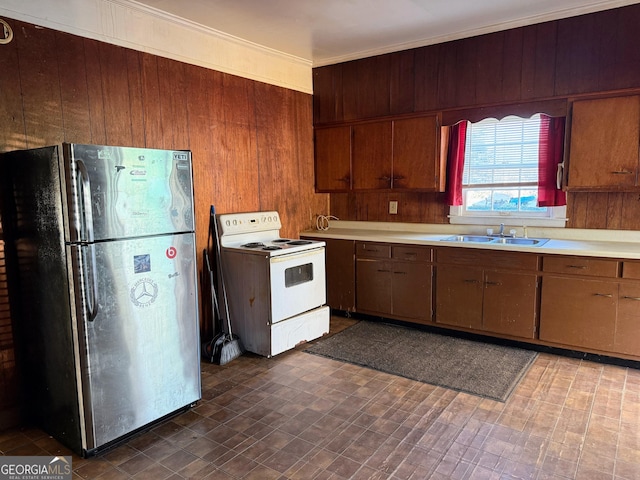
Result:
[{"x": 129, "y": 24}]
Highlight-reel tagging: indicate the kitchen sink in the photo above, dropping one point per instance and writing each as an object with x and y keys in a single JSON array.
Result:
[
  {"x": 531, "y": 242},
  {"x": 468, "y": 238},
  {"x": 521, "y": 241}
]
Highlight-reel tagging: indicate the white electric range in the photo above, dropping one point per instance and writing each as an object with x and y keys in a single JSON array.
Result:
[{"x": 276, "y": 287}]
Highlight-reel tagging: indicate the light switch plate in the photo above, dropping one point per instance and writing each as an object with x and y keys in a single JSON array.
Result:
[{"x": 393, "y": 207}]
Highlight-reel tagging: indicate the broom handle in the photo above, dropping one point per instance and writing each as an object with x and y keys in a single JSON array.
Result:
[
  {"x": 214, "y": 300},
  {"x": 224, "y": 289}
]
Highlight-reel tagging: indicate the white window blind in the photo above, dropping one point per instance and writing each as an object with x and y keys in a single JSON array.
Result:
[{"x": 501, "y": 165}]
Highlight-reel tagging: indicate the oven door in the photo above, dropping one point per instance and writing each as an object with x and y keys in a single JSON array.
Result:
[{"x": 297, "y": 283}]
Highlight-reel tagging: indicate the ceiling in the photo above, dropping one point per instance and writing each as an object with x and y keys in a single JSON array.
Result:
[{"x": 323, "y": 32}]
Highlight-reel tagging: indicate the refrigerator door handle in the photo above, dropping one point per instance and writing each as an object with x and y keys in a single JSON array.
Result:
[
  {"x": 86, "y": 212},
  {"x": 92, "y": 281},
  {"x": 86, "y": 235}
]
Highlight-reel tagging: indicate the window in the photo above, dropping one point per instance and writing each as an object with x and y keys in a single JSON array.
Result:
[{"x": 500, "y": 176}]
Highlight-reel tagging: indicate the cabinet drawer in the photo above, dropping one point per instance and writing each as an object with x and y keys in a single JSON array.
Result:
[
  {"x": 631, "y": 270},
  {"x": 416, "y": 254},
  {"x": 581, "y": 266},
  {"x": 372, "y": 250},
  {"x": 497, "y": 259}
]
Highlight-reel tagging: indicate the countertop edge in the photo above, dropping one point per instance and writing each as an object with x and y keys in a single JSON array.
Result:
[{"x": 430, "y": 237}]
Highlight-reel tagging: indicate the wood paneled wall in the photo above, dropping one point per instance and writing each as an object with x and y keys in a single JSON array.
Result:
[
  {"x": 252, "y": 143},
  {"x": 562, "y": 59}
]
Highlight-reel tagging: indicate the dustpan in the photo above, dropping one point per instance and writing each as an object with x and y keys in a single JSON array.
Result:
[{"x": 225, "y": 346}]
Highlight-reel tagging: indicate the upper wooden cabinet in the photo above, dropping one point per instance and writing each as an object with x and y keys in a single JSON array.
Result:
[
  {"x": 604, "y": 146},
  {"x": 399, "y": 154},
  {"x": 372, "y": 152},
  {"x": 416, "y": 163},
  {"x": 333, "y": 159}
]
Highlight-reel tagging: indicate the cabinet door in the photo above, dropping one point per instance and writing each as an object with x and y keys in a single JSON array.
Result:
[
  {"x": 373, "y": 286},
  {"x": 411, "y": 290},
  {"x": 510, "y": 301},
  {"x": 333, "y": 159},
  {"x": 372, "y": 156},
  {"x": 627, "y": 336},
  {"x": 459, "y": 296},
  {"x": 604, "y": 143},
  {"x": 578, "y": 312},
  {"x": 415, "y": 154},
  {"x": 341, "y": 275}
]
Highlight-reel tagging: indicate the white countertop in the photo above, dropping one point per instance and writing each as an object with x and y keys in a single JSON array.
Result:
[{"x": 624, "y": 244}]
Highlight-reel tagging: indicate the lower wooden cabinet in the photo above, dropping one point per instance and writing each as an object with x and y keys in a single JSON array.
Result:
[
  {"x": 627, "y": 333},
  {"x": 475, "y": 296},
  {"x": 578, "y": 312},
  {"x": 510, "y": 303},
  {"x": 582, "y": 303},
  {"x": 602, "y": 315},
  {"x": 394, "y": 281},
  {"x": 459, "y": 293},
  {"x": 340, "y": 273}
]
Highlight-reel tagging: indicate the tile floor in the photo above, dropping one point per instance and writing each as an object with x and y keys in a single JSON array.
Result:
[{"x": 299, "y": 416}]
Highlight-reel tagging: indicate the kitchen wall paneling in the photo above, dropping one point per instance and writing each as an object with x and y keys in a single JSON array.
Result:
[
  {"x": 555, "y": 60},
  {"x": 576, "y": 55},
  {"x": 97, "y": 111},
  {"x": 413, "y": 207},
  {"x": 74, "y": 93},
  {"x": 425, "y": 85},
  {"x": 115, "y": 95},
  {"x": 38, "y": 75},
  {"x": 251, "y": 142},
  {"x": 626, "y": 56},
  {"x": 402, "y": 82},
  {"x": 151, "y": 100},
  {"x": 327, "y": 94},
  {"x": 604, "y": 210},
  {"x": 12, "y": 133},
  {"x": 367, "y": 87}
]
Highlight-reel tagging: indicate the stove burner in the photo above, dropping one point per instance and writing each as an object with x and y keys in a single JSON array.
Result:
[
  {"x": 253, "y": 245},
  {"x": 272, "y": 247},
  {"x": 282, "y": 240},
  {"x": 300, "y": 242}
]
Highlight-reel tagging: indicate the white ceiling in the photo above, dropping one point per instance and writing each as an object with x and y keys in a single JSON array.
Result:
[{"x": 331, "y": 31}]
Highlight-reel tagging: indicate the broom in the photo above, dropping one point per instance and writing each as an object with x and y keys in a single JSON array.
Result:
[
  {"x": 229, "y": 346},
  {"x": 211, "y": 348}
]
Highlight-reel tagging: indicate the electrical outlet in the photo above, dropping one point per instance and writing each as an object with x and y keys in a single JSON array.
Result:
[{"x": 393, "y": 207}]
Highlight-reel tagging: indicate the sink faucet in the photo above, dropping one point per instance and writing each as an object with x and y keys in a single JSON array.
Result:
[{"x": 501, "y": 231}]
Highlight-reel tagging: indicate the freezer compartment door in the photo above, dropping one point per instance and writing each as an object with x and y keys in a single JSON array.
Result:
[
  {"x": 142, "y": 357},
  {"x": 118, "y": 192}
]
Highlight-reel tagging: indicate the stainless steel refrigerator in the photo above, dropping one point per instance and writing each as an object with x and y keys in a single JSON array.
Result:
[{"x": 104, "y": 287}]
